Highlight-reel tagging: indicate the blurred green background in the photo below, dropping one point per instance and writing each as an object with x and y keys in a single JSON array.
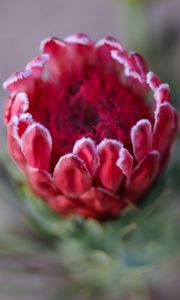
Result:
[{"x": 30, "y": 266}]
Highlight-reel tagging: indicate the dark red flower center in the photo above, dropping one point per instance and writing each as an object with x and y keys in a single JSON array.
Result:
[{"x": 92, "y": 103}]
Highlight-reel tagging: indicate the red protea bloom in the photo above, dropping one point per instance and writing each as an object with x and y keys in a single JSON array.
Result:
[{"x": 81, "y": 129}]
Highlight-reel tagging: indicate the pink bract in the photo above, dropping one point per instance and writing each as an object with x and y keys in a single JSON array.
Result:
[{"x": 81, "y": 129}]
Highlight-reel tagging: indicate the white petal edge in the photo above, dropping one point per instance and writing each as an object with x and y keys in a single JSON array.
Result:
[
  {"x": 79, "y": 39},
  {"x": 38, "y": 62},
  {"x": 109, "y": 41},
  {"x": 127, "y": 68},
  {"x": 16, "y": 77},
  {"x": 45, "y": 131},
  {"x": 49, "y": 39},
  {"x": 102, "y": 144}
]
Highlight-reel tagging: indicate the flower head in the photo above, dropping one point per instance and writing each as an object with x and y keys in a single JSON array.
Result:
[{"x": 81, "y": 129}]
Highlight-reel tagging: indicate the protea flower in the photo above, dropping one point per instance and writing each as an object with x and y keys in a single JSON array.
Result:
[{"x": 81, "y": 129}]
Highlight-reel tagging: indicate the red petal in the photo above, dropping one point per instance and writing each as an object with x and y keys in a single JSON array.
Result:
[
  {"x": 145, "y": 172},
  {"x": 103, "y": 50},
  {"x": 141, "y": 137},
  {"x": 125, "y": 162},
  {"x": 103, "y": 201},
  {"x": 36, "y": 146},
  {"x": 86, "y": 150},
  {"x": 133, "y": 71},
  {"x": 81, "y": 50},
  {"x": 53, "y": 46},
  {"x": 58, "y": 54},
  {"x": 20, "y": 104},
  {"x": 162, "y": 93},
  {"x": 25, "y": 120},
  {"x": 153, "y": 80},
  {"x": 41, "y": 182},
  {"x": 79, "y": 38},
  {"x": 62, "y": 204},
  {"x": 139, "y": 63},
  {"x": 164, "y": 127},
  {"x": 129, "y": 68},
  {"x": 19, "y": 82},
  {"x": 13, "y": 141},
  {"x": 37, "y": 64},
  {"x": 108, "y": 172},
  {"x": 72, "y": 176},
  {"x": 7, "y": 108},
  {"x": 110, "y": 42}
]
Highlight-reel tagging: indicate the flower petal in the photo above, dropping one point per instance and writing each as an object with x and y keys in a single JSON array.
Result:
[
  {"x": 108, "y": 172},
  {"x": 144, "y": 173},
  {"x": 110, "y": 42},
  {"x": 36, "y": 65},
  {"x": 41, "y": 182},
  {"x": 162, "y": 93},
  {"x": 103, "y": 201},
  {"x": 16, "y": 128},
  {"x": 13, "y": 142},
  {"x": 58, "y": 54},
  {"x": 36, "y": 146},
  {"x": 86, "y": 150},
  {"x": 79, "y": 38},
  {"x": 7, "y": 108},
  {"x": 25, "y": 120},
  {"x": 133, "y": 72},
  {"x": 165, "y": 123},
  {"x": 139, "y": 64},
  {"x": 125, "y": 162},
  {"x": 141, "y": 137},
  {"x": 62, "y": 204},
  {"x": 72, "y": 176},
  {"x": 153, "y": 80},
  {"x": 129, "y": 68},
  {"x": 81, "y": 50},
  {"x": 20, "y": 104},
  {"x": 19, "y": 82},
  {"x": 53, "y": 46},
  {"x": 103, "y": 51}
]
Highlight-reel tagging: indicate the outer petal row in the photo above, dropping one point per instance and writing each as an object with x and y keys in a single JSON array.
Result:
[
  {"x": 74, "y": 172},
  {"x": 96, "y": 203}
]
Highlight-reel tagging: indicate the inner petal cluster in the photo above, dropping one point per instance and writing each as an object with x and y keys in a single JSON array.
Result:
[{"x": 91, "y": 102}]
